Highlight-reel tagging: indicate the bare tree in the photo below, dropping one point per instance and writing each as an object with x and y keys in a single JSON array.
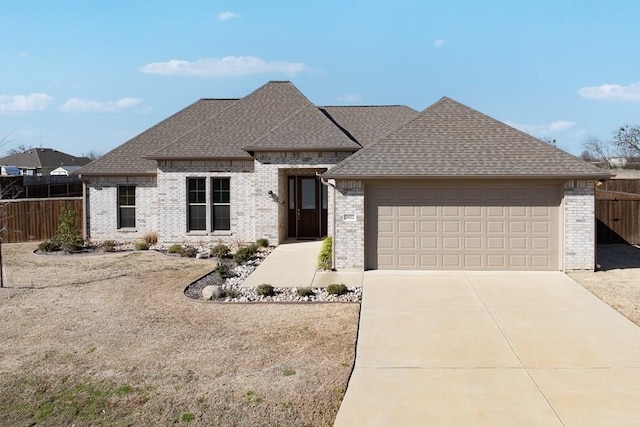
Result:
[
  {"x": 627, "y": 139},
  {"x": 93, "y": 155},
  {"x": 21, "y": 148},
  {"x": 598, "y": 150}
]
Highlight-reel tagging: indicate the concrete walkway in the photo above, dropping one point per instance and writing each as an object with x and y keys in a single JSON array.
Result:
[
  {"x": 293, "y": 264},
  {"x": 490, "y": 349}
]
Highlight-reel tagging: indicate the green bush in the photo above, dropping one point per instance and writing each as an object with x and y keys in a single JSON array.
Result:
[
  {"x": 68, "y": 237},
  {"x": 305, "y": 292},
  {"x": 265, "y": 290},
  {"x": 220, "y": 251},
  {"x": 263, "y": 243},
  {"x": 232, "y": 293},
  {"x": 174, "y": 249},
  {"x": 245, "y": 253},
  {"x": 324, "y": 258},
  {"x": 336, "y": 289},
  {"x": 108, "y": 245},
  {"x": 222, "y": 270},
  {"x": 48, "y": 246},
  {"x": 188, "y": 252},
  {"x": 141, "y": 246}
]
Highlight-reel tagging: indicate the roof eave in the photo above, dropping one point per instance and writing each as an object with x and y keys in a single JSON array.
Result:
[
  {"x": 603, "y": 176},
  {"x": 82, "y": 175},
  {"x": 197, "y": 157},
  {"x": 300, "y": 149}
]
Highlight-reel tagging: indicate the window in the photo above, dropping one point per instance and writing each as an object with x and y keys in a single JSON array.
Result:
[
  {"x": 220, "y": 204},
  {"x": 196, "y": 204},
  {"x": 126, "y": 206}
]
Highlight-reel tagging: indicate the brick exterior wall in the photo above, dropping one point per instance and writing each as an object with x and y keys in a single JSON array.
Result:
[
  {"x": 172, "y": 200},
  {"x": 579, "y": 225},
  {"x": 349, "y": 240},
  {"x": 102, "y": 208}
]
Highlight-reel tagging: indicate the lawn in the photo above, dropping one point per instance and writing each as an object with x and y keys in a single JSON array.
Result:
[{"x": 111, "y": 340}]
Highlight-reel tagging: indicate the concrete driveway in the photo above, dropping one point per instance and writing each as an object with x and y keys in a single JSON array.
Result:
[{"x": 490, "y": 349}]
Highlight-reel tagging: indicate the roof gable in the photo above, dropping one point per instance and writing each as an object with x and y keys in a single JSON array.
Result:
[{"x": 449, "y": 139}]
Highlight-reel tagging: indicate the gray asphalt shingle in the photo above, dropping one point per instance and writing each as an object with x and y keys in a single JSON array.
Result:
[{"x": 449, "y": 139}]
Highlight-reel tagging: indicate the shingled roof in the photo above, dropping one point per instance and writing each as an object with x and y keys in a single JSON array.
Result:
[
  {"x": 240, "y": 125},
  {"x": 367, "y": 124},
  {"x": 128, "y": 158},
  {"x": 449, "y": 139},
  {"x": 43, "y": 157}
]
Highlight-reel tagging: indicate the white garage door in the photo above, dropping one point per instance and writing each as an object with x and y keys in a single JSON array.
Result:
[{"x": 472, "y": 227}]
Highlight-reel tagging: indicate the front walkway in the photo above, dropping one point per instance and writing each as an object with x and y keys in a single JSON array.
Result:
[
  {"x": 490, "y": 349},
  {"x": 293, "y": 264}
]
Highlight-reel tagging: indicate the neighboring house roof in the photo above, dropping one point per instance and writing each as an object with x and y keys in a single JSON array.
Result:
[
  {"x": 34, "y": 158},
  {"x": 127, "y": 159},
  {"x": 367, "y": 124},
  {"x": 449, "y": 139},
  {"x": 65, "y": 170},
  {"x": 240, "y": 125}
]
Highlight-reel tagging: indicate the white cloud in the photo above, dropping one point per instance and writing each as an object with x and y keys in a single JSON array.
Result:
[
  {"x": 83, "y": 105},
  {"x": 439, "y": 43},
  {"x": 350, "y": 98},
  {"x": 225, "y": 16},
  {"x": 553, "y": 127},
  {"x": 610, "y": 91},
  {"x": 33, "y": 102},
  {"x": 229, "y": 66}
]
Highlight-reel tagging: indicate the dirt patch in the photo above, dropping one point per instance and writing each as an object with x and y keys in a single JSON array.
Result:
[
  {"x": 111, "y": 340},
  {"x": 617, "y": 282}
]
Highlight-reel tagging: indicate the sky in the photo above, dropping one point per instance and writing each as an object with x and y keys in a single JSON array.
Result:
[{"x": 86, "y": 76}]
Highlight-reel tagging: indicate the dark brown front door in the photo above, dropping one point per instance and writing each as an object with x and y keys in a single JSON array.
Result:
[{"x": 307, "y": 207}]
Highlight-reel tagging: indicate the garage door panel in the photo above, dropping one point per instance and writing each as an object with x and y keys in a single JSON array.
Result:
[{"x": 464, "y": 227}]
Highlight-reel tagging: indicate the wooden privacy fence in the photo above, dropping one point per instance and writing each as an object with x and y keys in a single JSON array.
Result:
[
  {"x": 618, "y": 217},
  {"x": 24, "y": 220}
]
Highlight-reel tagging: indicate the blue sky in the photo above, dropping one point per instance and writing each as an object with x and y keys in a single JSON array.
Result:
[{"x": 81, "y": 76}]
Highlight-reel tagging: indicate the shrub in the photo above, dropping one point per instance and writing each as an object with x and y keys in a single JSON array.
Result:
[
  {"x": 265, "y": 290},
  {"x": 188, "y": 252},
  {"x": 324, "y": 258},
  {"x": 174, "y": 249},
  {"x": 245, "y": 253},
  {"x": 336, "y": 289},
  {"x": 263, "y": 242},
  {"x": 232, "y": 293},
  {"x": 220, "y": 251},
  {"x": 151, "y": 237},
  {"x": 48, "y": 246},
  {"x": 68, "y": 237},
  {"x": 108, "y": 245},
  {"x": 305, "y": 292},
  {"x": 141, "y": 246},
  {"x": 222, "y": 270}
]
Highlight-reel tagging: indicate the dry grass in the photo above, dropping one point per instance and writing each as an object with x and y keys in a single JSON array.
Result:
[{"x": 111, "y": 340}]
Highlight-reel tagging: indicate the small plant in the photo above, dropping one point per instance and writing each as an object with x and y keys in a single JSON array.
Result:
[
  {"x": 188, "y": 252},
  {"x": 263, "y": 242},
  {"x": 304, "y": 292},
  {"x": 265, "y": 290},
  {"x": 151, "y": 237},
  {"x": 288, "y": 372},
  {"x": 220, "y": 251},
  {"x": 174, "y": 249},
  {"x": 324, "y": 258},
  {"x": 187, "y": 417},
  {"x": 232, "y": 293},
  {"x": 68, "y": 237},
  {"x": 108, "y": 245},
  {"x": 141, "y": 246},
  {"x": 222, "y": 270},
  {"x": 48, "y": 246},
  {"x": 245, "y": 253},
  {"x": 335, "y": 289}
]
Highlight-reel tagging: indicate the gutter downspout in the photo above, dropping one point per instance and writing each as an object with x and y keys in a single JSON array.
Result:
[{"x": 333, "y": 225}]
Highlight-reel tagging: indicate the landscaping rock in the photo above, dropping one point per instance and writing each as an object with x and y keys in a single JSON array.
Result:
[
  {"x": 202, "y": 255},
  {"x": 208, "y": 292}
]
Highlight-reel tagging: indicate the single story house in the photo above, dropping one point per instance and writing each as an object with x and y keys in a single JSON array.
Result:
[{"x": 445, "y": 188}]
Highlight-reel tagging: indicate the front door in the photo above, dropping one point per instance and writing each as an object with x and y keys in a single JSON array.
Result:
[{"x": 307, "y": 207}]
